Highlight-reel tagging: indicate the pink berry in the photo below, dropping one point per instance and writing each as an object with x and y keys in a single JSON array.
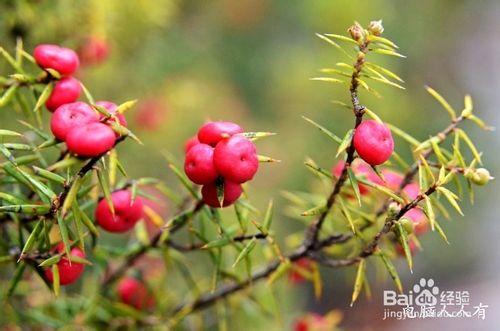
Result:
[
  {"x": 190, "y": 143},
  {"x": 361, "y": 169},
  {"x": 236, "y": 159},
  {"x": 213, "y": 132},
  {"x": 71, "y": 115},
  {"x": 373, "y": 142},
  {"x": 419, "y": 220},
  {"x": 412, "y": 190},
  {"x": 68, "y": 272},
  {"x": 93, "y": 51},
  {"x": 393, "y": 179},
  {"x": 127, "y": 213},
  {"x": 232, "y": 192},
  {"x": 134, "y": 293},
  {"x": 199, "y": 164},
  {"x": 90, "y": 140},
  {"x": 63, "y": 60},
  {"x": 66, "y": 90}
]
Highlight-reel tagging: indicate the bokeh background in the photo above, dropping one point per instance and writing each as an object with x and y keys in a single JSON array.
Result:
[{"x": 249, "y": 61}]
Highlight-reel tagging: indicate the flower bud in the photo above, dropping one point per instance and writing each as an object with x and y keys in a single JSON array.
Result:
[
  {"x": 376, "y": 28},
  {"x": 479, "y": 176},
  {"x": 394, "y": 208},
  {"x": 356, "y": 31},
  {"x": 467, "y": 112},
  {"x": 407, "y": 225}
]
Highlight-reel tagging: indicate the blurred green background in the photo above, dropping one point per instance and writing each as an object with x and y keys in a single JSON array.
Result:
[{"x": 250, "y": 61}]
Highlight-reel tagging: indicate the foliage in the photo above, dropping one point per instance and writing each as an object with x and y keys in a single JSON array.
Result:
[{"x": 48, "y": 196}]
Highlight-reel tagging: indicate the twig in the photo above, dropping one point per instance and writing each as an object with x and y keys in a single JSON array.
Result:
[
  {"x": 130, "y": 259},
  {"x": 313, "y": 231}
]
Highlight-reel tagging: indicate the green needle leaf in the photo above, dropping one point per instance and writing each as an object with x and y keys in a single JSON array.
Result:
[
  {"x": 44, "y": 96},
  {"x": 327, "y": 132},
  {"x": 105, "y": 189},
  {"x": 268, "y": 218},
  {"x": 32, "y": 238},
  {"x": 245, "y": 251},
  {"x": 354, "y": 184},
  {"x": 392, "y": 270},
  {"x": 345, "y": 142},
  {"x": 358, "y": 283},
  {"x": 56, "y": 282},
  {"x": 50, "y": 261},
  {"x": 314, "y": 211},
  {"x": 72, "y": 195},
  {"x": 16, "y": 278},
  {"x": 442, "y": 101},
  {"x": 403, "y": 240},
  {"x": 63, "y": 229}
]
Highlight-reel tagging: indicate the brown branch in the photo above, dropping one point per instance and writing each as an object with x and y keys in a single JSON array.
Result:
[
  {"x": 200, "y": 246},
  {"x": 143, "y": 249},
  {"x": 57, "y": 203},
  {"x": 313, "y": 248},
  {"x": 411, "y": 173},
  {"x": 311, "y": 242},
  {"x": 441, "y": 136},
  {"x": 358, "y": 110},
  {"x": 208, "y": 299},
  {"x": 44, "y": 78}
]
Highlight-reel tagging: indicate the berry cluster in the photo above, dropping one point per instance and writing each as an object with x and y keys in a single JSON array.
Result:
[
  {"x": 125, "y": 214},
  {"x": 86, "y": 133},
  {"x": 220, "y": 157},
  {"x": 65, "y": 61},
  {"x": 414, "y": 220},
  {"x": 374, "y": 145}
]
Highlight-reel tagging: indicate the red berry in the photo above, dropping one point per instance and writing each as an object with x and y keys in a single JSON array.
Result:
[
  {"x": 190, "y": 143},
  {"x": 236, "y": 159},
  {"x": 68, "y": 272},
  {"x": 313, "y": 322},
  {"x": 90, "y": 140},
  {"x": 199, "y": 164},
  {"x": 301, "y": 325},
  {"x": 66, "y": 90},
  {"x": 63, "y": 60},
  {"x": 295, "y": 276},
  {"x": 213, "y": 132},
  {"x": 232, "y": 192},
  {"x": 71, "y": 115},
  {"x": 134, "y": 293},
  {"x": 127, "y": 213},
  {"x": 93, "y": 51},
  {"x": 112, "y": 109},
  {"x": 151, "y": 114},
  {"x": 373, "y": 142}
]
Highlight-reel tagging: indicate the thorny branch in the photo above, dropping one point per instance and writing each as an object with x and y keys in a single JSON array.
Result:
[{"x": 311, "y": 244}]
